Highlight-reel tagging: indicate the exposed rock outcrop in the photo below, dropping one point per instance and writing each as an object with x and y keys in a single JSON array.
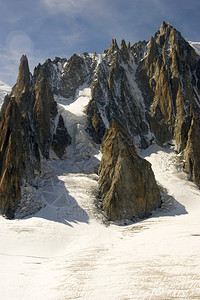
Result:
[
  {"x": 44, "y": 113},
  {"x": 66, "y": 76},
  {"x": 116, "y": 96},
  {"x": 191, "y": 153},
  {"x": 27, "y": 133},
  {"x": 168, "y": 77},
  {"x": 61, "y": 138},
  {"x": 127, "y": 184}
]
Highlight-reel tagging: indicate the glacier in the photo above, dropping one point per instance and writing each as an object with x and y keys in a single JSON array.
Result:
[
  {"x": 51, "y": 256},
  {"x": 68, "y": 250}
]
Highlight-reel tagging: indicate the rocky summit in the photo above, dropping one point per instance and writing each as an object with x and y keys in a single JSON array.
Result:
[
  {"x": 169, "y": 79},
  {"x": 26, "y": 135},
  {"x": 133, "y": 96},
  {"x": 127, "y": 184}
]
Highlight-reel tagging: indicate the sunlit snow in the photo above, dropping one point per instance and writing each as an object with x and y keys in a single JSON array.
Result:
[
  {"x": 67, "y": 251},
  {"x": 4, "y": 90},
  {"x": 196, "y": 46},
  {"x": 77, "y": 106}
]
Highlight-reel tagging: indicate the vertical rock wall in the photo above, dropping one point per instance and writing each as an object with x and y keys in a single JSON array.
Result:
[
  {"x": 26, "y": 134},
  {"x": 127, "y": 183}
]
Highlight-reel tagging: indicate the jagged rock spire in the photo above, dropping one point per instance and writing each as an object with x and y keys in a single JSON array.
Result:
[
  {"x": 127, "y": 184},
  {"x": 164, "y": 25},
  {"x": 124, "y": 49},
  {"x": 114, "y": 46},
  {"x": 27, "y": 134},
  {"x": 152, "y": 50},
  {"x": 123, "y": 45},
  {"x": 23, "y": 79}
]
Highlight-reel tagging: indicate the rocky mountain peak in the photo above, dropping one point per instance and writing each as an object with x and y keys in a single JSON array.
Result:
[
  {"x": 23, "y": 79},
  {"x": 114, "y": 46},
  {"x": 171, "y": 95},
  {"x": 27, "y": 133},
  {"x": 166, "y": 36},
  {"x": 123, "y": 45},
  {"x": 138, "y": 50},
  {"x": 127, "y": 184},
  {"x": 152, "y": 50},
  {"x": 24, "y": 59},
  {"x": 164, "y": 27},
  {"x": 124, "y": 49}
]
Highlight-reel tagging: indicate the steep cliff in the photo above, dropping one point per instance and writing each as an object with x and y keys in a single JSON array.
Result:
[
  {"x": 116, "y": 96},
  {"x": 127, "y": 184},
  {"x": 26, "y": 135},
  {"x": 169, "y": 79},
  {"x": 191, "y": 153},
  {"x": 66, "y": 76}
]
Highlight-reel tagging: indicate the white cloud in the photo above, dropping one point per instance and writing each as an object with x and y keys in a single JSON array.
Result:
[
  {"x": 71, "y": 7},
  {"x": 101, "y": 15},
  {"x": 112, "y": 19}
]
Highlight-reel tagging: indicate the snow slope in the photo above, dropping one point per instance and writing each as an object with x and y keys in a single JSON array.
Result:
[
  {"x": 196, "y": 46},
  {"x": 66, "y": 251},
  {"x": 4, "y": 89}
]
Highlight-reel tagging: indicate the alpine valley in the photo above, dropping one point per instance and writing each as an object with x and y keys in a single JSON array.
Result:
[{"x": 91, "y": 143}]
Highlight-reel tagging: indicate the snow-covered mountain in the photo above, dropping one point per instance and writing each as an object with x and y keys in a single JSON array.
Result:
[
  {"x": 4, "y": 90},
  {"x": 150, "y": 90},
  {"x": 196, "y": 46},
  {"x": 74, "y": 137}
]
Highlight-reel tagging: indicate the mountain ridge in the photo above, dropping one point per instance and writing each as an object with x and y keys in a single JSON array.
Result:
[
  {"x": 27, "y": 122},
  {"x": 151, "y": 90}
]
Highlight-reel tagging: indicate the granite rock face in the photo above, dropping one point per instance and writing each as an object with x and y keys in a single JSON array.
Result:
[
  {"x": 127, "y": 183},
  {"x": 169, "y": 80},
  {"x": 26, "y": 135},
  {"x": 66, "y": 76},
  {"x": 116, "y": 96},
  {"x": 191, "y": 153},
  {"x": 61, "y": 138}
]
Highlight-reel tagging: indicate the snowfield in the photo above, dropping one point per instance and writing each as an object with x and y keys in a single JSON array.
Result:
[
  {"x": 66, "y": 251},
  {"x": 4, "y": 90},
  {"x": 196, "y": 46}
]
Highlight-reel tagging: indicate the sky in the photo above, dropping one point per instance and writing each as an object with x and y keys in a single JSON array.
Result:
[{"x": 44, "y": 29}]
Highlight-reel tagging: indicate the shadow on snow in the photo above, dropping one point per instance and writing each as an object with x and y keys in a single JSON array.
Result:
[{"x": 60, "y": 206}]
